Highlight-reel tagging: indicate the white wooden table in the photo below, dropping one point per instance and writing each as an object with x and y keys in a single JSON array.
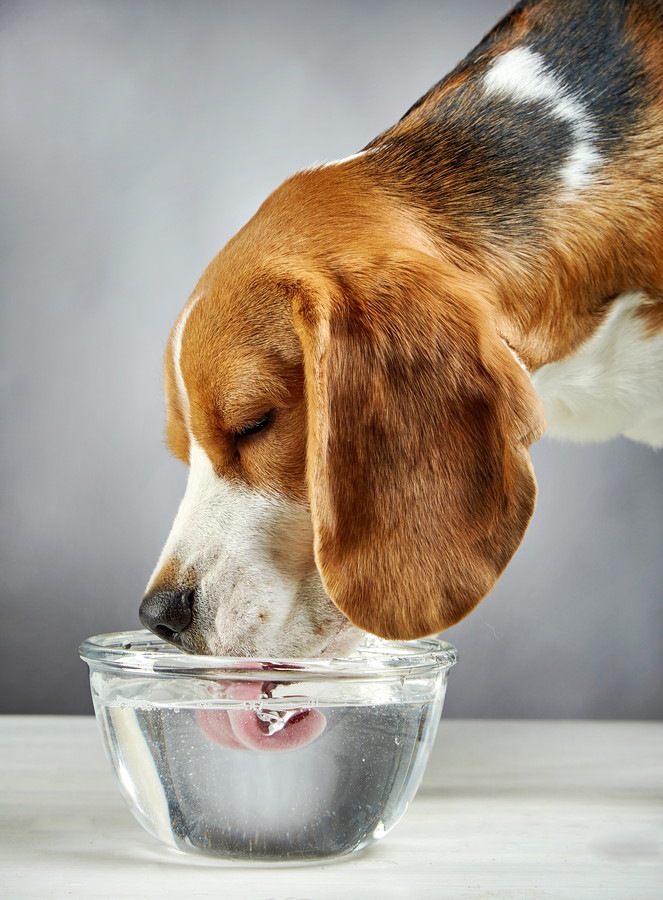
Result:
[{"x": 506, "y": 810}]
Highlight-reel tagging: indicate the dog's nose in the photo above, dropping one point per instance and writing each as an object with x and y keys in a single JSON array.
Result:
[{"x": 166, "y": 613}]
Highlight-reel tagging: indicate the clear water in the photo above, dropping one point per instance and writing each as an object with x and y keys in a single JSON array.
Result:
[{"x": 340, "y": 792}]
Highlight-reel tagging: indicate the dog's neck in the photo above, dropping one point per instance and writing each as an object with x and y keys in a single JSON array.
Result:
[
  {"x": 543, "y": 303},
  {"x": 518, "y": 169},
  {"x": 550, "y": 282}
]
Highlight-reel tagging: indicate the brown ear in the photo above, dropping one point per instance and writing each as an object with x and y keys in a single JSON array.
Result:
[{"x": 420, "y": 481}]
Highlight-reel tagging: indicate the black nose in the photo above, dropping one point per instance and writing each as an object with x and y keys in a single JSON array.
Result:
[{"x": 166, "y": 613}]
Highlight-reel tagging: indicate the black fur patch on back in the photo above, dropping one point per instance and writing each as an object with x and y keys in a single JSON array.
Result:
[
  {"x": 496, "y": 148},
  {"x": 585, "y": 46}
]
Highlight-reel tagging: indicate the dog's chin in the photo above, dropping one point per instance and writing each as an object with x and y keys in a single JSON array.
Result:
[{"x": 341, "y": 642}]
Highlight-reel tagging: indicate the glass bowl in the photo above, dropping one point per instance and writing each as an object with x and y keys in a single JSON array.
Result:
[{"x": 267, "y": 761}]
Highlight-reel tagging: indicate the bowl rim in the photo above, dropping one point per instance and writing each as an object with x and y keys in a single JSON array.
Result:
[{"x": 140, "y": 650}]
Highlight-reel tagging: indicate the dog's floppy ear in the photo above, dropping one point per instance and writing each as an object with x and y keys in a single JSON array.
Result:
[{"x": 419, "y": 419}]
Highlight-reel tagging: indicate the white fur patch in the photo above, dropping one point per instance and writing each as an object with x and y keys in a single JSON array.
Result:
[
  {"x": 521, "y": 75},
  {"x": 338, "y": 162},
  {"x": 345, "y": 159},
  {"x": 612, "y": 385},
  {"x": 178, "y": 335},
  {"x": 221, "y": 525}
]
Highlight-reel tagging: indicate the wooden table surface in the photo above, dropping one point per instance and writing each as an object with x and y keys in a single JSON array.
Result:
[{"x": 506, "y": 810}]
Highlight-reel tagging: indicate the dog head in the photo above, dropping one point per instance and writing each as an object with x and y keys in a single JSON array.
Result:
[{"x": 357, "y": 441}]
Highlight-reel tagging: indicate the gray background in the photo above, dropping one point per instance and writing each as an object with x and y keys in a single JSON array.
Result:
[{"x": 136, "y": 138}]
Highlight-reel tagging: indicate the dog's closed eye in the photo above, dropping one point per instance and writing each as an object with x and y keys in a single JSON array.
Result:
[{"x": 255, "y": 427}]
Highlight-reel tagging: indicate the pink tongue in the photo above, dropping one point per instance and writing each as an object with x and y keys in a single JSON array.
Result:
[{"x": 243, "y": 730}]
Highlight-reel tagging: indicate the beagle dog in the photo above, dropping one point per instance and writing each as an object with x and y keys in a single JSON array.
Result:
[{"x": 358, "y": 376}]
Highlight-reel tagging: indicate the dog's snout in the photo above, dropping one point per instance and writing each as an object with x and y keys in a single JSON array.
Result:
[{"x": 167, "y": 613}]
